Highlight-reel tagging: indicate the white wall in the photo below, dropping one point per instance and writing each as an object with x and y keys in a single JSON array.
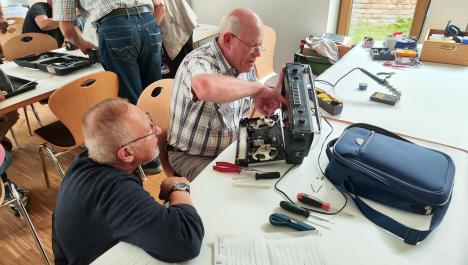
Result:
[
  {"x": 292, "y": 20},
  {"x": 441, "y": 11}
]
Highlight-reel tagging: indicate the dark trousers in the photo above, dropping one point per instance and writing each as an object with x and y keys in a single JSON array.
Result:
[
  {"x": 174, "y": 64},
  {"x": 130, "y": 46}
]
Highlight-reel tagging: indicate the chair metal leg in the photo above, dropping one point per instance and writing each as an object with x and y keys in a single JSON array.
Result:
[
  {"x": 37, "y": 115},
  {"x": 44, "y": 165},
  {"x": 14, "y": 137},
  {"x": 141, "y": 173},
  {"x": 24, "y": 215},
  {"x": 27, "y": 120}
]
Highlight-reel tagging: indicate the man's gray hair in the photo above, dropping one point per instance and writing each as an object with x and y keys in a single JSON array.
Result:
[
  {"x": 230, "y": 24},
  {"x": 105, "y": 129}
]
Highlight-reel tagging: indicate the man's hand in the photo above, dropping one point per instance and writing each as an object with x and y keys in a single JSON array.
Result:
[
  {"x": 3, "y": 25},
  {"x": 167, "y": 184},
  {"x": 86, "y": 46},
  {"x": 73, "y": 34},
  {"x": 268, "y": 100}
]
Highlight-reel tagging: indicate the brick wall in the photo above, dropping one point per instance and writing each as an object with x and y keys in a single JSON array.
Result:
[{"x": 381, "y": 11}]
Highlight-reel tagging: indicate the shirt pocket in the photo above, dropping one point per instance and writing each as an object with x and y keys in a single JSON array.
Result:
[{"x": 121, "y": 45}]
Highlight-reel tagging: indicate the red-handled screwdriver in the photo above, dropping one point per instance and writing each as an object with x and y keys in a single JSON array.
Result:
[{"x": 312, "y": 201}]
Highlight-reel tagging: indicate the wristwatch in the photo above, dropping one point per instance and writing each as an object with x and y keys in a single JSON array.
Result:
[{"x": 182, "y": 186}]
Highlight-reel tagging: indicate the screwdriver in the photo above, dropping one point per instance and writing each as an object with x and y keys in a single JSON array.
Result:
[
  {"x": 315, "y": 202},
  {"x": 312, "y": 201},
  {"x": 294, "y": 208}
]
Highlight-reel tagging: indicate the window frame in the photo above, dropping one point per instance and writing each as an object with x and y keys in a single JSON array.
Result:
[{"x": 419, "y": 16}]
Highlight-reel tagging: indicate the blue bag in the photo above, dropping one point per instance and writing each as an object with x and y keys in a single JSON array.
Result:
[{"x": 374, "y": 163}]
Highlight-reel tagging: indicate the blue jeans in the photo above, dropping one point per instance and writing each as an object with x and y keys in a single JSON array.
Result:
[{"x": 130, "y": 46}]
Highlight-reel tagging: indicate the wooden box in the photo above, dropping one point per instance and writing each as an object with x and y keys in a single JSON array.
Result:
[{"x": 441, "y": 52}]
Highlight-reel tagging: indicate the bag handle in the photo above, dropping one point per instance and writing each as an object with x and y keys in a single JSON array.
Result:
[
  {"x": 409, "y": 235},
  {"x": 377, "y": 130}
]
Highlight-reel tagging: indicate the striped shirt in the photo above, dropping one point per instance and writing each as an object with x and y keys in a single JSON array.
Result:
[
  {"x": 199, "y": 127},
  {"x": 92, "y": 10}
]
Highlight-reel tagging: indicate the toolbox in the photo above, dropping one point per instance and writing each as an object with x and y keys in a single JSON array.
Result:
[
  {"x": 384, "y": 54},
  {"x": 54, "y": 62},
  {"x": 16, "y": 86},
  {"x": 328, "y": 102},
  {"x": 442, "y": 52}
]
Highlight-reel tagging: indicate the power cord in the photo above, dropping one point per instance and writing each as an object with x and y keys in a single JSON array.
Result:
[
  {"x": 382, "y": 82},
  {"x": 323, "y": 175}
]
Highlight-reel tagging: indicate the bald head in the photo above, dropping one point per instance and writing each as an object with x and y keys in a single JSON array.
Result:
[
  {"x": 241, "y": 38},
  {"x": 107, "y": 126},
  {"x": 240, "y": 20}
]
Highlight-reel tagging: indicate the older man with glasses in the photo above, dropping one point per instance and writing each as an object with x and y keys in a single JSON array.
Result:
[
  {"x": 102, "y": 201},
  {"x": 213, "y": 88}
]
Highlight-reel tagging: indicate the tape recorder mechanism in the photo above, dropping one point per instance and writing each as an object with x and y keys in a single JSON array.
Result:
[{"x": 286, "y": 136}]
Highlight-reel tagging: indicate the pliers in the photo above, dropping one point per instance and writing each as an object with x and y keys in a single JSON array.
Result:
[
  {"x": 227, "y": 167},
  {"x": 230, "y": 167}
]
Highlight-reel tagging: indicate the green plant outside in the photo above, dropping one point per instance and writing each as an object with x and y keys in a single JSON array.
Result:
[{"x": 379, "y": 32}]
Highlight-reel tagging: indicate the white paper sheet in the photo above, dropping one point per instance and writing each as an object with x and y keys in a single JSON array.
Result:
[{"x": 269, "y": 250}]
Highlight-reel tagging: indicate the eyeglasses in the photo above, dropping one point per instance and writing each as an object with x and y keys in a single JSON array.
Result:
[
  {"x": 154, "y": 131},
  {"x": 252, "y": 49}
]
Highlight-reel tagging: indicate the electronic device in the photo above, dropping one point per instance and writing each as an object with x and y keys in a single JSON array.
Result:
[
  {"x": 286, "y": 136},
  {"x": 328, "y": 102},
  {"x": 453, "y": 31},
  {"x": 11, "y": 85},
  {"x": 384, "y": 54},
  {"x": 384, "y": 98},
  {"x": 54, "y": 62}
]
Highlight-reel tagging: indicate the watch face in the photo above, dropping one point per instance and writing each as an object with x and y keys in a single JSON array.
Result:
[{"x": 181, "y": 186}]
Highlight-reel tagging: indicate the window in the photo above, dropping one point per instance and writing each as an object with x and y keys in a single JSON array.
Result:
[{"x": 380, "y": 18}]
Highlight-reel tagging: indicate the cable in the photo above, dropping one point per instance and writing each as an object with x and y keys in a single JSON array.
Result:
[
  {"x": 382, "y": 82},
  {"x": 323, "y": 175}
]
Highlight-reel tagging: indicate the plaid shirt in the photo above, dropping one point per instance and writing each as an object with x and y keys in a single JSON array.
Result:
[
  {"x": 198, "y": 127},
  {"x": 64, "y": 10}
]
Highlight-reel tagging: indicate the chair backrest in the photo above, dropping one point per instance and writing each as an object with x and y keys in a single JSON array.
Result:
[
  {"x": 12, "y": 31},
  {"x": 15, "y": 21},
  {"x": 71, "y": 102},
  {"x": 264, "y": 63},
  {"x": 156, "y": 100},
  {"x": 27, "y": 44}
]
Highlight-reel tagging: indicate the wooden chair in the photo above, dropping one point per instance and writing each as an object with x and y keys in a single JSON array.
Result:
[
  {"x": 15, "y": 20},
  {"x": 27, "y": 44},
  {"x": 15, "y": 199},
  {"x": 156, "y": 100},
  {"x": 24, "y": 45},
  {"x": 69, "y": 104},
  {"x": 264, "y": 63},
  {"x": 12, "y": 31}
]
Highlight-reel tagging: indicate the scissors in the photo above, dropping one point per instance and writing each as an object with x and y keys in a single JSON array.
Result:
[{"x": 279, "y": 219}]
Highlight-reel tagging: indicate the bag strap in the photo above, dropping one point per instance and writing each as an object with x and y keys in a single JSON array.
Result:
[
  {"x": 409, "y": 235},
  {"x": 378, "y": 130}
]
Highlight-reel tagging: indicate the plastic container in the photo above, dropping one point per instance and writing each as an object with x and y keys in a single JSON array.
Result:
[{"x": 317, "y": 64}]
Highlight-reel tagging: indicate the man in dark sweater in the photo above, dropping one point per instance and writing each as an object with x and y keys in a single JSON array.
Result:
[
  {"x": 39, "y": 19},
  {"x": 102, "y": 202}
]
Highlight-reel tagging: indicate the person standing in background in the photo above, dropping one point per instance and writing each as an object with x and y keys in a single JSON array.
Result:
[
  {"x": 177, "y": 32},
  {"x": 39, "y": 19},
  {"x": 129, "y": 38},
  {"x": 3, "y": 22},
  {"x": 129, "y": 41}
]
